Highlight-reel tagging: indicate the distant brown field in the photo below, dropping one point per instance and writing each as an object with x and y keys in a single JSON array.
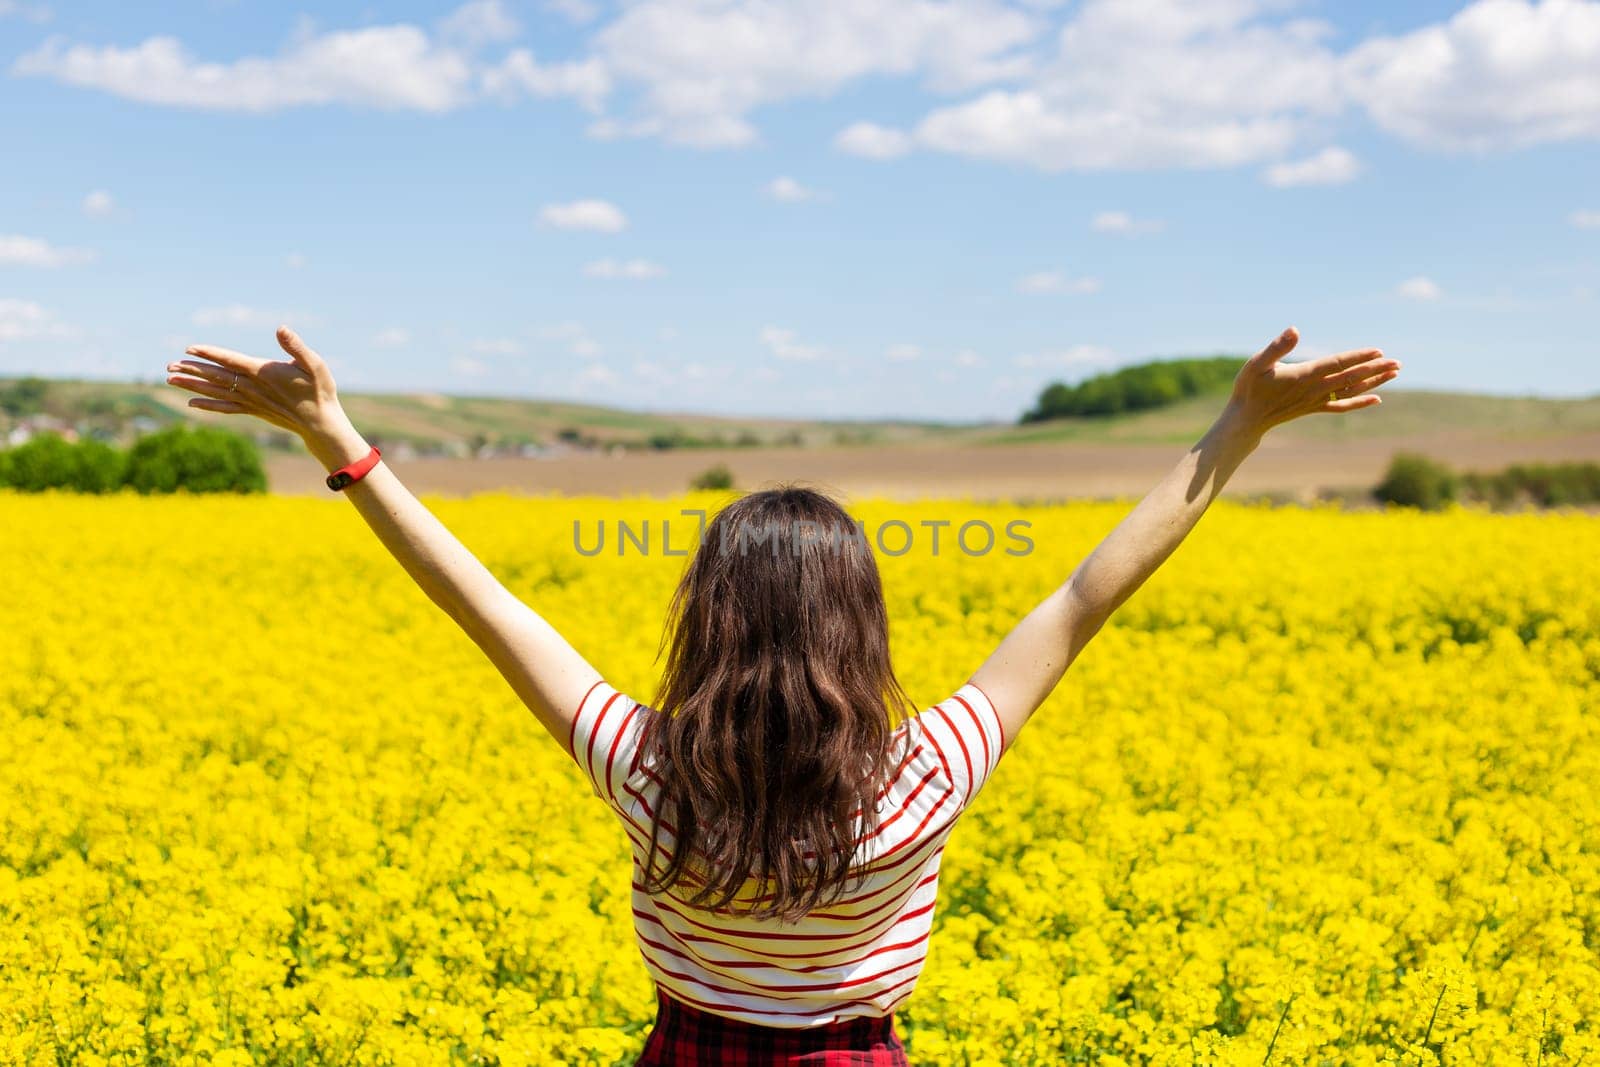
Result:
[{"x": 1295, "y": 466}]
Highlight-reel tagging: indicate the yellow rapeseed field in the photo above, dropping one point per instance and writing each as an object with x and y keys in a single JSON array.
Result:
[{"x": 1325, "y": 791}]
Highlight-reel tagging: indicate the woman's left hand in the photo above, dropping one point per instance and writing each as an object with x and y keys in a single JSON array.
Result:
[{"x": 297, "y": 394}]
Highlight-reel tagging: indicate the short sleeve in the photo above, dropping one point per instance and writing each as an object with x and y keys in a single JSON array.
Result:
[
  {"x": 967, "y": 733},
  {"x": 605, "y": 739}
]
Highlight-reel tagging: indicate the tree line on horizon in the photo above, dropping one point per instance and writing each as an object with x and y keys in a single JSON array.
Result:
[{"x": 1139, "y": 387}]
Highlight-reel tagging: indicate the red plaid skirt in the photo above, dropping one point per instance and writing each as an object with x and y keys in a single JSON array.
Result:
[{"x": 685, "y": 1036}]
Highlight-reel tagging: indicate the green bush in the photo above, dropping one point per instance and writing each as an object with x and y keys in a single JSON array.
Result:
[
  {"x": 201, "y": 460},
  {"x": 1546, "y": 485},
  {"x": 46, "y": 461},
  {"x": 718, "y": 477},
  {"x": 1413, "y": 480},
  {"x": 100, "y": 467},
  {"x": 1557, "y": 484},
  {"x": 50, "y": 461},
  {"x": 1136, "y": 388}
]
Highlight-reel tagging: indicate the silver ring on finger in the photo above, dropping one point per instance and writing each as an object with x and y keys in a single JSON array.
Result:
[{"x": 235, "y": 384}]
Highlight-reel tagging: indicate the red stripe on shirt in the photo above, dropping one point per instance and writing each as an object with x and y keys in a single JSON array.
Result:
[
  {"x": 983, "y": 734},
  {"x": 906, "y": 866},
  {"x": 572, "y": 734},
  {"x": 701, "y": 961},
  {"x": 890, "y": 903},
  {"x": 641, "y": 846},
  {"x": 772, "y": 935},
  {"x": 809, "y": 853},
  {"x": 965, "y": 755},
  {"x": 894, "y": 779},
  {"x": 768, "y": 989},
  {"x": 998, "y": 724},
  {"x": 611, "y": 758},
  {"x": 763, "y": 988},
  {"x": 594, "y": 733},
  {"x": 685, "y": 937}
]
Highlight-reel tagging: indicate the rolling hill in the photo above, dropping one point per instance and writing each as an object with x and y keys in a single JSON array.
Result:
[{"x": 434, "y": 424}]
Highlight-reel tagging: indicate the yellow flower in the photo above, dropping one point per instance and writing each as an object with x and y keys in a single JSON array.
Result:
[{"x": 1325, "y": 790}]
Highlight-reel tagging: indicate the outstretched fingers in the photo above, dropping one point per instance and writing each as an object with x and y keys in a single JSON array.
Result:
[
  {"x": 1362, "y": 375},
  {"x": 1369, "y": 381},
  {"x": 1356, "y": 382},
  {"x": 205, "y": 386},
  {"x": 213, "y": 399},
  {"x": 227, "y": 357},
  {"x": 209, "y": 372},
  {"x": 1343, "y": 361},
  {"x": 227, "y": 407},
  {"x": 235, "y": 390}
]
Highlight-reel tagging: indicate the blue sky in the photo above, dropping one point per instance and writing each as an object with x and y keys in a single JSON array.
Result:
[{"x": 920, "y": 208}]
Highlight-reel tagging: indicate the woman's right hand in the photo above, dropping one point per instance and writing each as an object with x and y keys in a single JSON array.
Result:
[
  {"x": 297, "y": 394},
  {"x": 1267, "y": 393}
]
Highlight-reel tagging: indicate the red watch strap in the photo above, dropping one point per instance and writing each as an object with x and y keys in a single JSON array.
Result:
[{"x": 354, "y": 472}]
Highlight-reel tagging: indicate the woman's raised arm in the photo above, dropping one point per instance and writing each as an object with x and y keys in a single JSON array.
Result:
[
  {"x": 547, "y": 673},
  {"x": 1028, "y": 664}
]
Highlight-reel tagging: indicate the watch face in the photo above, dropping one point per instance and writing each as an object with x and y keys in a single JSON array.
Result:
[{"x": 339, "y": 480}]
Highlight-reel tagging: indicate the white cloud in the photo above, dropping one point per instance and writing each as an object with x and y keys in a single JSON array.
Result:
[
  {"x": 23, "y": 320},
  {"x": 1158, "y": 83},
  {"x": 479, "y": 22},
  {"x": 1585, "y": 220},
  {"x": 647, "y": 371},
  {"x": 496, "y": 346},
  {"x": 1418, "y": 288},
  {"x": 391, "y": 337},
  {"x": 596, "y": 215},
  {"x": 702, "y": 67},
  {"x": 1498, "y": 74},
  {"x": 579, "y": 11},
  {"x": 398, "y": 66},
  {"x": 19, "y": 251},
  {"x": 968, "y": 358},
  {"x": 1120, "y": 222},
  {"x": 788, "y": 191},
  {"x": 469, "y": 367},
  {"x": 595, "y": 374},
  {"x": 1331, "y": 166},
  {"x": 1134, "y": 84},
  {"x": 242, "y": 315},
  {"x": 1076, "y": 357},
  {"x": 586, "y": 81},
  {"x": 1050, "y": 281},
  {"x": 872, "y": 141},
  {"x": 1101, "y": 84},
  {"x": 902, "y": 353},
  {"x": 572, "y": 334},
  {"x": 784, "y": 344},
  {"x": 395, "y": 67},
  {"x": 26, "y": 12},
  {"x": 295, "y": 260},
  {"x": 623, "y": 270},
  {"x": 98, "y": 203}
]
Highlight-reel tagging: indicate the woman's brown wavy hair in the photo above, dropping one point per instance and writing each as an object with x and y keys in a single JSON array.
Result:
[{"x": 776, "y": 707}]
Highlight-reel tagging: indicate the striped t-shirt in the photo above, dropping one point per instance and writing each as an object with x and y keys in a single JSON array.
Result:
[{"x": 859, "y": 956}]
